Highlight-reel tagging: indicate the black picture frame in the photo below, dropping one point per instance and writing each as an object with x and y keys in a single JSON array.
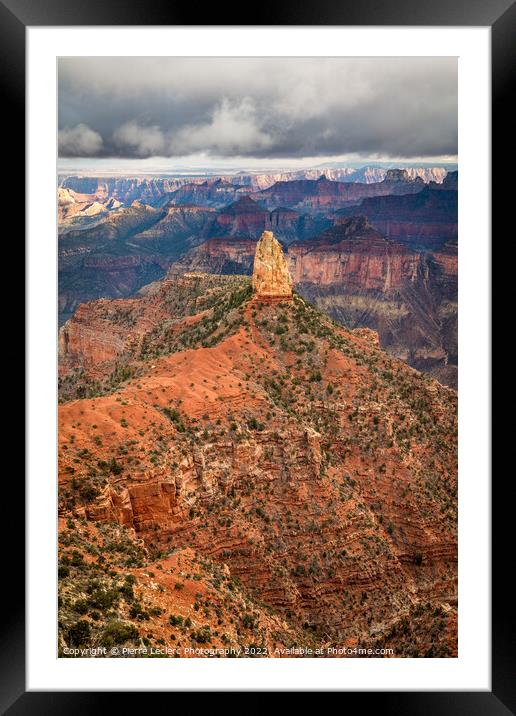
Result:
[{"x": 500, "y": 15}]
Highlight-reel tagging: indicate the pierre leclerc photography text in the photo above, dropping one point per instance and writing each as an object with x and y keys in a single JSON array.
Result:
[{"x": 257, "y": 301}]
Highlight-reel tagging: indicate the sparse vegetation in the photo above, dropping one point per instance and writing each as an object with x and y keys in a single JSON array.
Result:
[{"x": 301, "y": 452}]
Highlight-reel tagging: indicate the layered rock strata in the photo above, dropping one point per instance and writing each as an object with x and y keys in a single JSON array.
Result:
[{"x": 271, "y": 277}]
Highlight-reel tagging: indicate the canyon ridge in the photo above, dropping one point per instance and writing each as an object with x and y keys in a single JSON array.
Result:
[{"x": 239, "y": 471}]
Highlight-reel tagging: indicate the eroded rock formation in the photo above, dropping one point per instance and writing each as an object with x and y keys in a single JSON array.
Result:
[
  {"x": 355, "y": 255},
  {"x": 271, "y": 277}
]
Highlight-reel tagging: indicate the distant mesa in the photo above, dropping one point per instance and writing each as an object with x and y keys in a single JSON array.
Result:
[
  {"x": 244, "y": 204},
  {"x": 271, "y": 277},
  {"x": 403, "y": 176}
]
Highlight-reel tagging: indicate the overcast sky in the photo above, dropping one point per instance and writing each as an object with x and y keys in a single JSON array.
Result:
[{"x": 255, "y": 112}]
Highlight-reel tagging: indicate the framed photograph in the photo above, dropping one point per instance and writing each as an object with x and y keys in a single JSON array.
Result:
[{"x": 258, "y": 357}]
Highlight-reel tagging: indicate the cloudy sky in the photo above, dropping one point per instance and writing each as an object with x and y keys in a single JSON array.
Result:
[{"x": 179, "y": 113}]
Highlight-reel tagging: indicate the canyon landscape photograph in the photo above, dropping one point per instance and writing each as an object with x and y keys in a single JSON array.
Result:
[{"x": 257, "y": 357}]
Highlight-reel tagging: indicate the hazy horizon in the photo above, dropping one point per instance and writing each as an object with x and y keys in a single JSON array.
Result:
[{"x": 102, "y": 168}]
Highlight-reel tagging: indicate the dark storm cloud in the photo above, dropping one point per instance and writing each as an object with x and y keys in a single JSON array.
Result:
[{"x": 257, "y": 107}]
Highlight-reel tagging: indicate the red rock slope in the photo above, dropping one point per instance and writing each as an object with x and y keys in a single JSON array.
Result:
[{"x": 314, "y": 468}]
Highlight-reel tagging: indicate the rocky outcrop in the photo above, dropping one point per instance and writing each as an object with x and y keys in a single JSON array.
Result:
[
  {"x": 65, "y": 196},
  {"x": 271, "y": 277},
  {"x": 283, "y": 220},
  {"x": 247, "y": 218},
  {"x": 88, "y": 342},
  {"x": 326, "y": 486},
  {"x": 77, "y": 210}
]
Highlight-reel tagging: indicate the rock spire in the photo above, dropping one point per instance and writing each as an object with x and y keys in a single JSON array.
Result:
[{"x": 271, "y": 277}]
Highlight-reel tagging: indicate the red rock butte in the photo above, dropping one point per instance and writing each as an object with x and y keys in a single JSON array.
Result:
[{"x": 271, "y": 278}]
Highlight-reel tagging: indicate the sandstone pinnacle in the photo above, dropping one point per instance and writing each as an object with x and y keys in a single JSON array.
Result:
[{"x": 271, "y": 277}]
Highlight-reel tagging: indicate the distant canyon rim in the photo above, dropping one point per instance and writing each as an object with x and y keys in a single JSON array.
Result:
[{"x": 117, "y": 234}]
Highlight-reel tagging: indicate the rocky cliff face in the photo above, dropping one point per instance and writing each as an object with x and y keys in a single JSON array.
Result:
[
  {"x": 244, "y": 217},
  {"x": 179, "y": 228},
  {"x": 426, "y": 219},
  {"x": 104, "y": 334},
  {"x": 410, "y": 297},
  {"x": 212, "y": 192},
  {"x": 271, "y": 277},
  {"x": 446, "y": 257},
  {"x": 156, "y": 189},
  {"x": 221, "y": 255},
  {"x": 121, "y": 250},
  {"x": 125, "y": 189},
  {"x": 257, "y": 182},
  {"x": 402, "y": 175},
  {"x": 354, "y": 255},
  {"x": 323, "y": 194},
  {"x": 296, "y": 456},
  {"x": 76, "y": 210},
  {"x": 247, "y": 218},
  {"x": 86, "y": 276},
  {"x": 112, "y": 225}
]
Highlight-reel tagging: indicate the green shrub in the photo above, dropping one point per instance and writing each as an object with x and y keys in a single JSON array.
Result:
[
  {"x": 248, "y": 621},
  {"x": 115, "y": 467},
  {"x": 118, "y": 633},
  {"x": 79, "y": 634},
  {"x": 253, "y": 424},
  {"x": 81, "y": 606},
  {"x": 202, "y": 636},
  {"x": 104, "y": 598}
]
